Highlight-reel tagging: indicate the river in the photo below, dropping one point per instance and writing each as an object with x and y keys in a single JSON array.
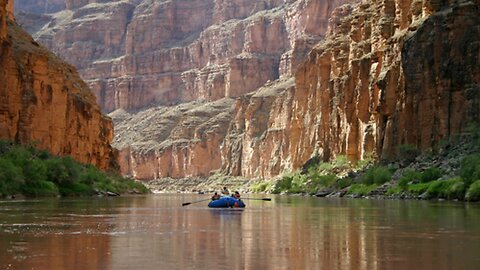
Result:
[{"x": 290, "y": 232}]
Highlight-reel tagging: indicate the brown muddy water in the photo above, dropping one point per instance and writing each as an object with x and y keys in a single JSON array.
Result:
[{"x": 156, "y": 232}]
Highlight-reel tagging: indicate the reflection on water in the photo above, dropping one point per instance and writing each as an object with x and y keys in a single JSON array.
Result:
[{"x": 156, "y": 232}]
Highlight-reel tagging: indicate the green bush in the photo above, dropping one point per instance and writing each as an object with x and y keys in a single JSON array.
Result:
[
  {"x": 40, "y": 189},
  {"x": 341, "y": 162},
  {"x": 407, "y": 177},
  {"x": 327, "y": 180},
  {"x": 19, "y": 156},
  {"x": 261, "y": 187},
  {"x": 298, "y": 183},
  {"x": 473, "y": 193},
  {"x": 407, "y": 152},
  {"x": 376, "y": 175},
  {"x": 448, "y": 189},
  {"x": 121, "y": 185},
  {"x": 361, "y": 189},
  {"x": 5, "y": 147},
  {"x": 394, "y": 190},
  {"x": 283, "y": 184},
  {"x": 418, "y": 189},
  {"x": 33, "y": 172},
  {"x": 313, "y": 185},
  {"x": 75, "y": 189},
  {"x": 367, "y": 160},
  {"x": 431, "y": 174},
  {"x": 11, "y": 177},
  {"x": 325, "y": 167},
  {"x": 470, "y": 169},
  {"x": 343, "y": 183}
]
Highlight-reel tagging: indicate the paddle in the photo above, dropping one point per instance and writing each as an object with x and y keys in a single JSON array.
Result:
[
  {"x": 187, "y": 203},
  {"x": 260, "y": 199}
]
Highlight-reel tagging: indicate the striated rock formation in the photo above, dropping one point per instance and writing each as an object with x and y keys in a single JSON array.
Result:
[
  {"x": 193, "y": 50},
  {"x": 43, "y": 100},
  {"x": 176, "y": 142},
  {"x": 389, "y": 73},
  {"x": 135, "y": 53}
]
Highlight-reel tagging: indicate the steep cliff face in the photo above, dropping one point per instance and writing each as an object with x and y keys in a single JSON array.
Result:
[
  {"x": 43, "y": 100},
  {"x": 134, "y": 53},
  {"x": 193, "y": 50},
  {"x": 389, "y": 73}
]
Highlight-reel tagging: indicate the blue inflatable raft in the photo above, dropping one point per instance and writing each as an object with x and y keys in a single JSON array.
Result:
[{"x": 226, "y": 202}]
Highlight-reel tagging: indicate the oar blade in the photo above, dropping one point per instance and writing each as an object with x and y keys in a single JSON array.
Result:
[
  {"x": 258, "y": 199},
  {"x": 187, "y": 203}
]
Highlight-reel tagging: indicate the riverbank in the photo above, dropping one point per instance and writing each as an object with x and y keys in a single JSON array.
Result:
[
  {"x": 448, "y": 172},
  {"x": 26, "y": 171}
]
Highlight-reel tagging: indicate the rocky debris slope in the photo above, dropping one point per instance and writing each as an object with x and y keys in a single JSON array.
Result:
[
  {"x": 134, "y": 53},
  {"x": 44, "y": 101},
  {"x": 180, "y": 141}
]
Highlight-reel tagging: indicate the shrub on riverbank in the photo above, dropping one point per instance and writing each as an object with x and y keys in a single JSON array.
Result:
[
  {"x": 376, "y": 175},
  {"x": 361, "y": 189},
  {"x": 447, "y": 189},
  {"x": 32, "y": 172},
  {"x": 473, "y": 193}
]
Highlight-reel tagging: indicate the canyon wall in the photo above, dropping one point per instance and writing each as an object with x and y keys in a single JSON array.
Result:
[
  {"x": 138, "y": 53},
  {"x": 271, "y": 84},
  {"x": 44, "y": 101},
  {"x": 388, "y": 73}
]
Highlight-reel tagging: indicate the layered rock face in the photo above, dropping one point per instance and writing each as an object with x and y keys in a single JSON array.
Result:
[
  {"x": 134, "y": 53},
  {"x": 389, "y": 73},
  {"x": 181, "y": 141},
  {"x": 43, "y": 100}
]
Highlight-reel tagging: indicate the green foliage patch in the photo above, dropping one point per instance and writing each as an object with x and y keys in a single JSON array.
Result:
[
  {"x": 470, "y": 169},
  {"x": 407, "y": 152},
  {"x": 34, "y": 173},
  {"x": 361, "y": 189},
  {"x": 473, "y": 193},
  {"x": 418, "y": 188},
  {"x": 376, "y": 175},
  {"x": 447, "y": 189},
  {"x": 431, "y": 174},
  {"x": 407, "y": 177}
]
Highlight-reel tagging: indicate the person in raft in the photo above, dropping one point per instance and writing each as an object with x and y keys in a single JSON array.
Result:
[
  {"x": 236, "y": 195},
  {"x": 215, "y": 196},
  {"x": 225, "y": 191}
]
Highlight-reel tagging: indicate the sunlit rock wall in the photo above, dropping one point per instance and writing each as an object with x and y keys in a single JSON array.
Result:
[{"x": 388, "y": 73}]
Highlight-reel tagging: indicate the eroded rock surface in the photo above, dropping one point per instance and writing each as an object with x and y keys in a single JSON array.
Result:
[
  {"x": 388, "y": 73},
  {"x": 135, "y": 53},
  {"x": 180, "y": 141},
  {"x": 44, "y": 101}
]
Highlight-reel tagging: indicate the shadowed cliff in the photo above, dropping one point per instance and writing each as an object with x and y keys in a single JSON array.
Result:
[{"x": 44, "y": 101}]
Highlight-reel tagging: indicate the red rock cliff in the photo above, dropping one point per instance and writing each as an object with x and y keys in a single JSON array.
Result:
[
  {"x": 389, "y": 73},
  {"x": 137, "y": 53},
  {"x": 43, "y": 100}
]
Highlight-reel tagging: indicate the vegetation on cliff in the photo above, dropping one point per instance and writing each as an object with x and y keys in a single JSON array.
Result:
[
  {"x": 450, "y": 171},
  {"x": 36, "y": 173}
]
